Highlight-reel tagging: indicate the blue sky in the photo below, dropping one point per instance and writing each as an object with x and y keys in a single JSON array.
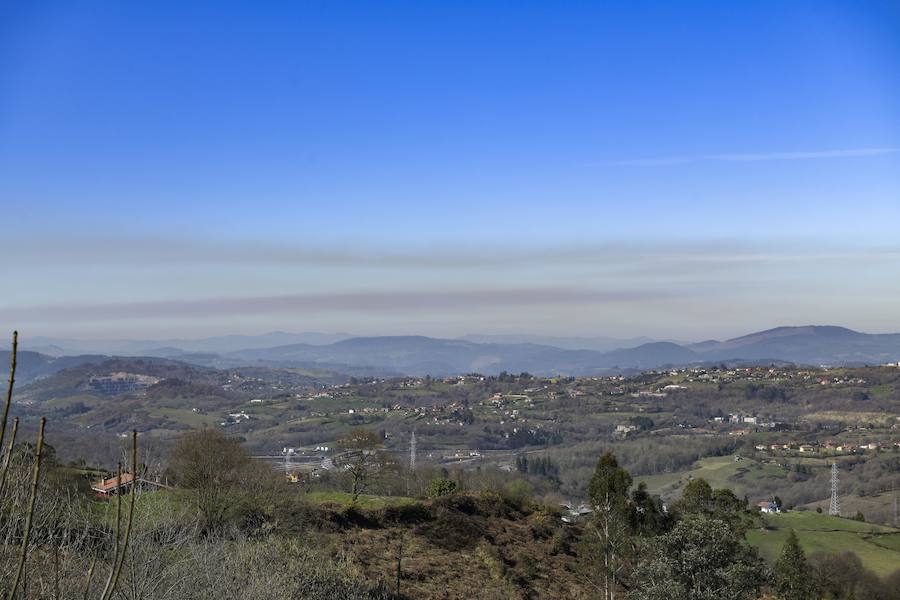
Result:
[{"x": 608, "y": 168}]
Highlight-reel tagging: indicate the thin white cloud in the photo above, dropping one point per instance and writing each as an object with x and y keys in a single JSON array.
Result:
[
  {"x": 135, "y": 253},
  {"x": 754, "y": 157},
  {"x": 847, "y": 153}
]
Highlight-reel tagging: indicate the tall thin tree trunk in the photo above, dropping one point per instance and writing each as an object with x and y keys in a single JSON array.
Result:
[
  {"x": 6, "y": 459},
  {"x": 9, "y": 388},
  {"x": 117, "y": 569},
  {"x": 23, "y": 554},
  {"x": 90, "y": 576},
  {"x": 399, "y": 562}
]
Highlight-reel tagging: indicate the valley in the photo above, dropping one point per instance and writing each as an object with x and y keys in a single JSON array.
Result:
[{"x": 761, "y": 430}]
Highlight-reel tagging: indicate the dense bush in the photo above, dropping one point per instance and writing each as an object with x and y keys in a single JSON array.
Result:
[{"x": 440, "y": 487}]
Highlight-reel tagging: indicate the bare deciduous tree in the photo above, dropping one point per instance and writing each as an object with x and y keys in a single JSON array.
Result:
[{"x": 361, "y": 459}]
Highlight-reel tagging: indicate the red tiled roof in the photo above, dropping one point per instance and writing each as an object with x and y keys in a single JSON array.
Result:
[{"x": 106, "y": 485}]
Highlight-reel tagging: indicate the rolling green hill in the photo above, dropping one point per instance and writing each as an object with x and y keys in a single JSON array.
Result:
[
  {"x": 878, "y": 547},
  {"x": 719, "y": 471}
]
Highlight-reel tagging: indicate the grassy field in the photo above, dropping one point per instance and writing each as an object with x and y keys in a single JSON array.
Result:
[
  {"x": 876, "y": 507},
  {"x": 187, "y": 416},
  {"x": 719, "y": 471},
  {"x": 878, "y": 547},
  {"x": 880, "y": 418},
  {"x": 891, "y": 541},
  {"x": 364, "y": 501},
  {"x": 150, "y": 507}
]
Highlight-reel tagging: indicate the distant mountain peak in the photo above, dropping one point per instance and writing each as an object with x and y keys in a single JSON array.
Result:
[{"x": 798, "y": 330}]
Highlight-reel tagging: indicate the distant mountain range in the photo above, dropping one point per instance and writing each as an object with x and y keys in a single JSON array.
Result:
[
  {"x": 598, "y": 343},
  {"x": 217, "y": 344},
  {"x": 416, "y": 355},
  {"x": 34, "y": 365}
]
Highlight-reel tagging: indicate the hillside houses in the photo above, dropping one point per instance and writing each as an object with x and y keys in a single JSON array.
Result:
[
  {"x": 624, "y": 429},
  {"x": 121, "y": 383},
  {"x": 113, "y": 486},
  {"x": 235, "y": 418},
  {"x": 573, "y": 513},
  {"x": 829, "y": 448}
]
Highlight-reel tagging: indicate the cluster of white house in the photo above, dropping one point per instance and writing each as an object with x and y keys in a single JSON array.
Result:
[{"x": 830, "y": 446}]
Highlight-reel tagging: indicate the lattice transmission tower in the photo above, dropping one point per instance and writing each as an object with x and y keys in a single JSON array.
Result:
[
  {"x": 411, "y": 476},
  {"x": 835, "y": 508}
]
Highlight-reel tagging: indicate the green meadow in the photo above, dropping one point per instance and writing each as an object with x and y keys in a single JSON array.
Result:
[{"x": 878, "y": 547}]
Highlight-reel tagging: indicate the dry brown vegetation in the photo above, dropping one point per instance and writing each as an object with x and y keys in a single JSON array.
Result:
[{"x": 466, "y": 546}]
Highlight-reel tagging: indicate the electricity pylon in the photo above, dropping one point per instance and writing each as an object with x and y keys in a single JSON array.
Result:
[
  {"x": 410, "y": 477},
  {"x": 835, "y": 508}
]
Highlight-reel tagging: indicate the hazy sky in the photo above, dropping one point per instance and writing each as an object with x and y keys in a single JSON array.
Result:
[{"x": 672, "y": 169}]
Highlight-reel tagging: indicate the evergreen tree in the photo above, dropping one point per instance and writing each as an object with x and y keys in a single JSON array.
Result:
[
  {"x": 793, "y": 575},
  {"x": 701, "y": 558},
  {"x": 608, "y": 489},
  {"x": 647, "y": 515},
  {"x": 696, "y": 497},
  {"x": 608, "y": 533},
  {"x": 521, "y": 463}
]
